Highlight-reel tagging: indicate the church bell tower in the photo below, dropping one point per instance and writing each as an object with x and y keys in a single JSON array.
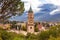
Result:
[{"x": 30, "y": 22}]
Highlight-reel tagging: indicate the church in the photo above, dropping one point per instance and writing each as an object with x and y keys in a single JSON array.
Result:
[{"x": 30, "y": 22}]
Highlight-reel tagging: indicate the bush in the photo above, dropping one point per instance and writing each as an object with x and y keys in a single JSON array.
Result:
[
  {"x": 12, "y": 36},
  {"x": 44, "y": 35},
  {"x": 7, "y": 36},
  {"x": 0, "y": 37},
  {"x": 53, "y": 31},
  {"x": 52, "y": 38},
  {"x": 19, "y": 37},
  {"x": 36, "y": 29},
  {"x": 24, "y": 28},
  {"x": 31, "y": 36}
]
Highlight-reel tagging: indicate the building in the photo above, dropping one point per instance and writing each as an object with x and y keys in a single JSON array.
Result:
[
  {"x": 40, "y": 27},
  {"x": 5, "y": 26},
  {"x": 30, "y": 22},
  {"x": 20, "y": 25}
]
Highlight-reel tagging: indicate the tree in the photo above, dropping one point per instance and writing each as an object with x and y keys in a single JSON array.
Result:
[{"x": 9, "y": 8}]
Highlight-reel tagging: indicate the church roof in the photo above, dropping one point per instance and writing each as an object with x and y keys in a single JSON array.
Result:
[{"x": 30, "y": 10}]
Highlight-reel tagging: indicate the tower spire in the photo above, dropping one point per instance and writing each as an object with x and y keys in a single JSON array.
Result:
[{"x": 30, "y": 10}]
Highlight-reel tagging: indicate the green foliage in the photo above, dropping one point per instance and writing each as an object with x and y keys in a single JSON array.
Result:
[
  {"x": 53, "y": 31},
  {"x": 36, "y": 29},
  {"x": 0, "y": 37},
  {"x": 52, "y": 38},
  {"x": 11, "y": 36},
  {"x": 44, "y": 35},
  {"x": 58, "y": 27},
  {"x": 10, "y": 8},
  {"x": 52, "y": 34},
  {"x": 24, "y": 28},
  {"x": 19, "y": 37},
  {"x": 31, "y": 36},
  {"x": 58, "y": 38}
]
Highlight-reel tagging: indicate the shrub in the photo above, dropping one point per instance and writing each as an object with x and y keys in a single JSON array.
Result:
[
  {"x": 31, "y": 36},
  {"x": 53, "y": 31},
  {"x": 52, "y": 38},
  {"x": 36, "y": 29},
  {"x": 24, "y": 28},
  {"x": 44, "y": 35}
]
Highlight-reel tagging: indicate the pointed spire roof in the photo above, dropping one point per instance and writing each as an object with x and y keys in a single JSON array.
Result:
[{"x": 30, "y": 10}]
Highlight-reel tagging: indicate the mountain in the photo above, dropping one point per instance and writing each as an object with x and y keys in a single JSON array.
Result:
[
  {"x": 46, "y": 11},
  {"x": 45, "y": 14}
]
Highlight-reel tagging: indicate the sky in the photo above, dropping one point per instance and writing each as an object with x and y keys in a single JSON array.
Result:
[
  {"x": 35, "y": 3},
  {"x": 50, "y": 9}
]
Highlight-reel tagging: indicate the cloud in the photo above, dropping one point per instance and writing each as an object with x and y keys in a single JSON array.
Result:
[
  {"x": 34, "y": 4},
  {"x": 44, "y": 13},
  {"x": 47, "y": 8},
  {"x": 54, "y": 12},
  {"x": 55, "y": 2}
]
